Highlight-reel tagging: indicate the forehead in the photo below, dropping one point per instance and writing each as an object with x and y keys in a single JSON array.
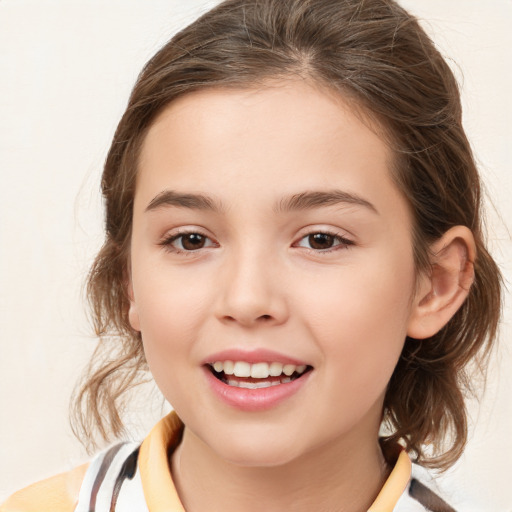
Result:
[
  {"x": 290, "y": 135},
  {"x": 274, "y": 103}
]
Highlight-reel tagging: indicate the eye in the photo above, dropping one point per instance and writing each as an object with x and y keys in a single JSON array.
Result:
[
  {"x": 188, "y": 241},
  {"x": 324, "y": 242}
]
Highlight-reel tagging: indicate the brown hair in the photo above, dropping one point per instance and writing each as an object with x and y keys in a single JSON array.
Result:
[{"x": 376, "y": 54}]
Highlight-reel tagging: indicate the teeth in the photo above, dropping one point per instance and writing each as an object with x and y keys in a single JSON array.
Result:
[
  {"x": 254, "y": 385},
  {"x": 257, "y": 385},
  {"x": 275, "y": 369},
  {"x": 228, "y": 367},
  {"x": 242, "y": 369},
  {"x": 257, "y": 370},
  {"x": 288, "y": 369}
]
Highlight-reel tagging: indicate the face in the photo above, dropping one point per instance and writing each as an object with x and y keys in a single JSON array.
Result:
[{"x": 269, "y": 239}]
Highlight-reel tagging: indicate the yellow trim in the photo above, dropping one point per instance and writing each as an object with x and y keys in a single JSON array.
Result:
[
  {"x": 159, "y": 490},
  {"x": 56, "y": 494},
  {"x": 60, "y": 493},
  {"x": 161, "y": 494},
  {"x": 395, "y": 485}
]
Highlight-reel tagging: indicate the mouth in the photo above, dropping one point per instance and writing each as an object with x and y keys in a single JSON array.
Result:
[{"x": 259, "y": 375}]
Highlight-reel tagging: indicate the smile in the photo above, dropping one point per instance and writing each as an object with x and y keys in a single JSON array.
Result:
[{"x": 259, "y": 375}]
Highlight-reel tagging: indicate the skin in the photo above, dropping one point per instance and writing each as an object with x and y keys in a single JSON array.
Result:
[{"x": 259, "y": 282}]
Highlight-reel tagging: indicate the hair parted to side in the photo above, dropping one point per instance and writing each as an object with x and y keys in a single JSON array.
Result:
[{"x": 375, "y": 54}]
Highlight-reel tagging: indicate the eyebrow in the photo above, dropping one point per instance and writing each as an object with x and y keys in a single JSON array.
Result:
[
  {"x": 317, "y": 199},
  {"x": 302, "y": 201},
  {"x": 192, "y": 201}
]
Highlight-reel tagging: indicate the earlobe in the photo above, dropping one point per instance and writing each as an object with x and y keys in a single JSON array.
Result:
[
  {"x": 133, "y": 313},
  {"x": 442, "y": 292}
]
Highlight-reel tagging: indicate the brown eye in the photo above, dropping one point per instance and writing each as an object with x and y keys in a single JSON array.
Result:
[
  {"x": 186, "y": 242},
  {"x": 324, "y": 242},
  {"x": 192, "y": 241},
  {"x": 321, "y": 241}
]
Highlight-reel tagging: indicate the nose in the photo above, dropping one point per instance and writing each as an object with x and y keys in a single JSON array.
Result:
[{"x": 252, "y": 291}]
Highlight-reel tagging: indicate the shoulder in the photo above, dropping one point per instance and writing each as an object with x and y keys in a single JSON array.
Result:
[
  {"x": 56, "y": 494},
  {"x": 79, "y": 489}
]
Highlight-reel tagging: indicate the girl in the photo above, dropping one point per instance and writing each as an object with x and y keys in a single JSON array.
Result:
[{"x": 293, "y": 248}]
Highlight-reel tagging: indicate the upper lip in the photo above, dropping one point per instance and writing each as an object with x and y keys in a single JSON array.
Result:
[{"x": 259, "y": 355}]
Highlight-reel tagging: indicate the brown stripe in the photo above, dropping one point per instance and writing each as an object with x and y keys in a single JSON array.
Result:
[
  {"x": 127, "y": 471},
  {"x": 430, "y": 500},
  {"x": 107, "y": 460}
]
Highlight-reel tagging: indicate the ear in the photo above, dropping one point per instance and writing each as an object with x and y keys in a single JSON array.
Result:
[
  {"x": 133, "y": 313},
  {"x": 442, "y": 290}
]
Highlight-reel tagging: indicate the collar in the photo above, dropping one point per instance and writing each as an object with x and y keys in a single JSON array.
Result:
[{"x": 160, "y": 492}]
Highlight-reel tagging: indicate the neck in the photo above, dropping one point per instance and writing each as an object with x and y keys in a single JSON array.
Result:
[{"x": 343, "y": 478}]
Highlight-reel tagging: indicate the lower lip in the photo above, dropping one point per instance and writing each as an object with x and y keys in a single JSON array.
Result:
[{"x": 254, "y": 399}]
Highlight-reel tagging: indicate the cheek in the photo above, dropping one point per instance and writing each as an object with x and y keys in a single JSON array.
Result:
[
  {"x": 174, "y": 308},
  {"x": 168, "y": 313},
  {"x": 168, "y": 302},
  {"x": 360, "y": 323}
]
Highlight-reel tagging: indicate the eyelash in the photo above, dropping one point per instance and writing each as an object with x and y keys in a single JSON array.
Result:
[
  {"x": 167, "y": 242},
  {"x": 343, "y": 243}
]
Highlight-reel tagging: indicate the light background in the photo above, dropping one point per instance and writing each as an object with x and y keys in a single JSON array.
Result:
[{"x": 66, "y": 70}]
